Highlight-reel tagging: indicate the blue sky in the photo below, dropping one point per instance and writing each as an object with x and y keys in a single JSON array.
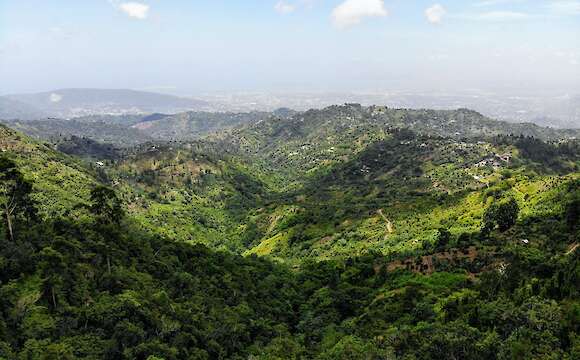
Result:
[{"x": 189, "y": 47}]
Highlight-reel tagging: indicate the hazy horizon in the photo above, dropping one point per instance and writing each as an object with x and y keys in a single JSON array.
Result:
[
  {"x": 467, "y": 92},
  {"x": 188, "y": 48}
]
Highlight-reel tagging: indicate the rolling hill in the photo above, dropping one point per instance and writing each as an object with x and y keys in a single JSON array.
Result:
[
  {"x": 328, "y": 234},
  {"x": 105, "y": 132},
  {"x": 129, "y": 130},
  {"x": 68, "y": 103},
  {"x": 312, "y": 141},
  {"x": 193, "y": 125}
]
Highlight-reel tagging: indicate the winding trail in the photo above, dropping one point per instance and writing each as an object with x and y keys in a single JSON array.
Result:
[
  {"x": 390, "y": 227},
  {"x": 572, "y": 248}
]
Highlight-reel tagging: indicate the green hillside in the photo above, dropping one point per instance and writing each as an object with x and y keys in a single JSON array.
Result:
[
  {"x": 131, "y": 130},
  {"x": 396, "y": 194},
  {"x": 55, "y": 130},
  {"x": 342, "y": 233},
  {"x": 193, "y": 125},
  {"x": 190, "y": 192},
  {"x": 315, "y": 140},
  {"x": 60, "y": 181}
]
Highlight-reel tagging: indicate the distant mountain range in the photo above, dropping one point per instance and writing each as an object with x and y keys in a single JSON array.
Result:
[
  {"x": 552, "y": 111},
  {"x": 282, "y": 126},
  {"x": 14, "y": 109},
  {"x": 69, "y": 103}
]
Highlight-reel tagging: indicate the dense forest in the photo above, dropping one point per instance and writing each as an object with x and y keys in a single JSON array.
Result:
[{"x": 330, "y": 234}]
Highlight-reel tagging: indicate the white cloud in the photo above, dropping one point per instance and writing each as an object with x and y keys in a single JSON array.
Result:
[
  {"x": 351, "y": 12},
  {"x": 283, "y": 7},
  {"x": 435, "y": 13},
  {"x": 135, "y": 10},
  {"x": 54, "y": 97}
]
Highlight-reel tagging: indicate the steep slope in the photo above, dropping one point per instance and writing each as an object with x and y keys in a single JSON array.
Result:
[
  {"x": 189, "y": 192},
  {"x": 60, "y": 181}
]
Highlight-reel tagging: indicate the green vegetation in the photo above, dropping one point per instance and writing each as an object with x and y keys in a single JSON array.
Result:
[
  {"x": 331, "y": 234},
  {"x": 55, "y": 130},
  {"x": 87, "y": 148},
  {"x": 193, "y": 125},
  {"x": 502, "y": 214}
]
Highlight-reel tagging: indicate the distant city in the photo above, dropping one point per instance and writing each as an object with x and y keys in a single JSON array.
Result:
[{"x": 560, "y": 111}]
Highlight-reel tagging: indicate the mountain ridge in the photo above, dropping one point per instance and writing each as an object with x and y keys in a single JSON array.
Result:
[{"x": 74, "y": 102}]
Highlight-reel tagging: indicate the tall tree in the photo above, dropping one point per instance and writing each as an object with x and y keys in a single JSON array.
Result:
[
  {"x": 502, "y": 214},
  {"x": 108, "y": 211},
  {"x": 106, "y": 205},
  {"x": 14, "y": 194}
]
